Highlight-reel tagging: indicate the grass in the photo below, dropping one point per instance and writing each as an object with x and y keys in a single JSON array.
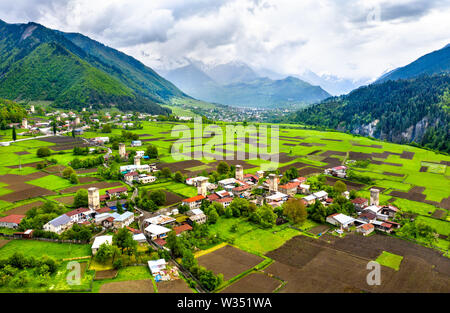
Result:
[
  {"x": 390, "y": 260},
  {"x": 51, "y": 182},
  {"x": 252, "y": 238},
  {"x": 125, "y": 274},
  {"x": 40, "y": 248},
  {"x": 442, "y": 227}
]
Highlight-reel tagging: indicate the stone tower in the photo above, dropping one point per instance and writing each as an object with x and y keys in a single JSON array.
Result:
[
  {"x": 137, "y": 160},
  {"x": 273, "y": 183},
  {"x": 77, "y": 120},
  {"x": 32, "y": 109},
  {"x": 122, "y": 150},
  {"x": 239, "y": 172},
  {"x": 94, "y": 198},
  {"x": 201, "y": 186},
  {"x": 374, "y": 196},
  {"x": 24, "y": 123}
]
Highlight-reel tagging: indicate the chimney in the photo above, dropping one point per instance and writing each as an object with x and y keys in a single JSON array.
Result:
[
  {"x": 239, "y": 172},
  {"x": 374, "y": 196},
  {"x": 94, "y": 198}
]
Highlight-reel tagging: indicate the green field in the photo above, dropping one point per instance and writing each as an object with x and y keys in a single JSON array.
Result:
[
  {"x": 40, "y": 248},
  {"x": 390, "y": 260}
]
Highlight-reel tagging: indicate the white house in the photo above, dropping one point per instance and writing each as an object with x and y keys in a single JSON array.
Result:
[
  {"x": 157, "y": 266},
  {"x": 339, "y": 219},
  {"x": 98, "y": 241},
  {"x": 156, "y": 231},
  {"x": 59, "y": 224}
]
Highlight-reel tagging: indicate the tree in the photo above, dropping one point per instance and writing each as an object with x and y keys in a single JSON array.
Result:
[
  {"x": 340, "y": 187},
  {"x": 74, "y": 179},
  {"x": 152, "y": 152},
  {"x": 104, "y": 252},
  {"x": 14, "y": 135},
  {"x": 178, "y": 177},
  {"x": 54, "y": 127},
  {"x": 158, "y": 197},
  {"x": 43, "y": 152},
  {"x": 295, "y": 210},
  {"x": 124, "y": 240},
  {"x": 68, "y": 171},
  {"x": 212, "y": 216},
  {"x": 81, "y": 198},
  {"x": 73, "y": 132},
  {"x": 291, "y": 173},
  {"x": 165, "y": 172},
  {"x": 223, "y": 168},
  {"x": 106, "y": 128}
]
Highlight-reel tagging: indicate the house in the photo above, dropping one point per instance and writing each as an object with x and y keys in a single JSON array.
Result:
[
  {"x": 389, "y": 210},
  {"x": 182, "y": 228},
  {"x": 99, "y": 218},
  {"x": 145, "y": 179},
  {"x": 103, "y": 210},
  {"x": 341, "y": 220},
  {"x": 250, "y": 178},
  {"x": 157, "y": 266},
  {"x": 135, "y": 168},
  {"x": 224, "y": 201},
  {"x": 308, "y": 200},
  {"x": 238, "y": 191},
  {"x": 11, "y": 221},
  {"x": 303, "y": 188},
  {"x": 365, "y": 229},
  {"x": 194, "y": 202},
  {"x": 98, "y": 241},
  {"x": 290, "y": 188},
  {"x": 78, "y": 215},
  {"x": 277, "y": 197},
  {"x": 368, "y": 216},
  {"x": 378, "y": 211},
  {"x": 136, "y": 143},
  {"x": 108, "y": 222},
  {"x": 140, "y": 153},
  {"x": 159, "y": 220},
  {"x": 59, "y": 224},
  {"x": 156, "y": 232},
  {"x": 140, "y": 238},
  {"x": 117, "y": 192},
  {"x": 360, "y": 203},
  {"x": 131, "y": 176},
  {"x": 321, "y": 195},
  {"x": 123, "y": 220},
  {"x": 197, "y": 216}
]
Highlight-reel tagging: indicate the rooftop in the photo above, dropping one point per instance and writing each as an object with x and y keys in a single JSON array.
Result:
[{"x": 13, "y": 218}]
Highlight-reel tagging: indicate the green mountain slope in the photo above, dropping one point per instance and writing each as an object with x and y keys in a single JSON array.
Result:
[
  {"x": 37, "y": 63},
  {"x": 436, "y": 62},
  {"x": 401, "y": 111}
]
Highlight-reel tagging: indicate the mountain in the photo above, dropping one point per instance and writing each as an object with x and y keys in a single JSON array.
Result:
[
  {"x": 230, "y": 73},
  {"x": 73, "y": 71},
  {"x": 333, "y": 84},
  {"x": 249, "y": 90},
  {"x": 436, "y": 62},
  {"x": 402, "y": 111}
]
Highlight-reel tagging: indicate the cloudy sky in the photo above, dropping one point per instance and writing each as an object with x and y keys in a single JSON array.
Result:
[{"x": 351, "y": 39}]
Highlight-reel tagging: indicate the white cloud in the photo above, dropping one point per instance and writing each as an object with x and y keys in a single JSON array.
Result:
[{"x": 352, "y": 39}]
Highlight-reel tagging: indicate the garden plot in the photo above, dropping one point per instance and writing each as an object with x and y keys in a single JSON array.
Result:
[
  {"x": 173, "y": 286},
  {"x": 23, "y": 209},
  {"x": 106, "y": 274},
  {"x": 254, "y": 283},
  {"x": 132, "y": 286},
  {"x": 229, "y": 261},
  {"x": 100, "y": 185}
]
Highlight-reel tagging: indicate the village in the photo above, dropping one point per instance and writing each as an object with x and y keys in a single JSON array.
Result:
[{"x": 179, "y": 223}]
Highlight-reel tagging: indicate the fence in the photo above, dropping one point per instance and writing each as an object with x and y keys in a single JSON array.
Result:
[{"x": 74, "y": 241}]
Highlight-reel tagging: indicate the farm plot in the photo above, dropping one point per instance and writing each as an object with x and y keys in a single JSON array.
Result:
[
  {"x": 106, "y": 274},
  {"x": 309, "y": 265},
  {"x": 173, "y": 286},
  {"x": 132, "y": 286},
  {"x": 100, "y": 185},
  {"x": 254, "y": 283},
  {"x": 229, "y": 261},
  {"x": 350, "y": 185},
  {"x": 23, "y": 209}
]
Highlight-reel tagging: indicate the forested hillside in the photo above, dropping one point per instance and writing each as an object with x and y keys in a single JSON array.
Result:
[
  {"x": 37, "y": 63},
  {"x": 401, "y": 111},
  {"x": 10, "y": 112}
]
